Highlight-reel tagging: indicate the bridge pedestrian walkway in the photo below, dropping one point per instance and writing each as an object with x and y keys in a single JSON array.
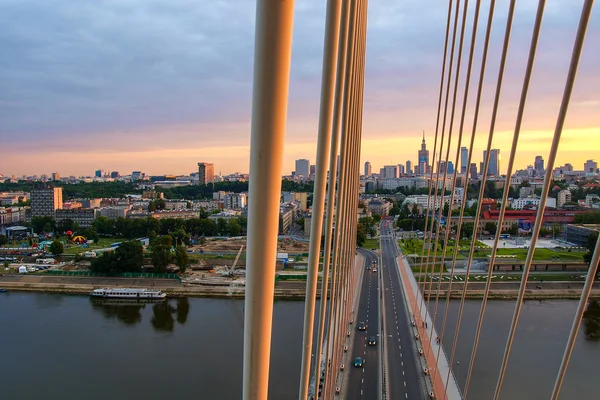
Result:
[{"x": 438, "y": 374}]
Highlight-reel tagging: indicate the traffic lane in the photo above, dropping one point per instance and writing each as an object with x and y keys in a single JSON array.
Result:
[
  {"x": 363, "y": 380},
  {"x": 403, "y": 371},
  {"x": 412, "y": 370}
]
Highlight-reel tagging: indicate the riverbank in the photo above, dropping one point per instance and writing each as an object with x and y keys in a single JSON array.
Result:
[
  {"x": 288, "y": 290},
  {"x": 284, "y": 290}
]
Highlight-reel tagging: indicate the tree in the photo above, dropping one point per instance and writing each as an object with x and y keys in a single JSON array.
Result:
[
  {"x": 361, "y": 237},
  {"x": 104, "y": 226},
  {"x": 67, "y": 224},
  {"x": 3, "y": 240},
  {"x": 466, "y": 231},
  {"x": 591, "y": 245},
  {"x": 490, "y": 227},
  {"x": 128, "y": 257},
  {"x": 234, "y": 228},
  {"x": 56, "y": 248},
  {"x": 181, "y": 258},
  {"x": 222, "y": 227},
  {"x": 42, "y": 224},
  {"x": 161, "y": 252}
]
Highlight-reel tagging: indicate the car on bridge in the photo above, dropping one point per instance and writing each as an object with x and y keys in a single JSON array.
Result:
[
  {"x": 362, "y": 326},
  {"x": 358, "y": 362},
  {"x": 372, "y": 341}
]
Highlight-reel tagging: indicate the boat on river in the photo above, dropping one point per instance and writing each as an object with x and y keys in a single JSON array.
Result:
[{"x": 128, "y": 293}]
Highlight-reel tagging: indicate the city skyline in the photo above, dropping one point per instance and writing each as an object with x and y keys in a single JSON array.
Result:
[{"x": 129, "y": 106}]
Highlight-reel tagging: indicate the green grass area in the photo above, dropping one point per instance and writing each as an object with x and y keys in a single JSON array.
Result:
[
  {"x": 102, "y": 244},
  {"x": 415, "y": 246},
  {"x": 371, "y": 244}
]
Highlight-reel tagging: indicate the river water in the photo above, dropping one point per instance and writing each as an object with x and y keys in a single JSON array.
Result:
[{"x": 69, "y": 347}]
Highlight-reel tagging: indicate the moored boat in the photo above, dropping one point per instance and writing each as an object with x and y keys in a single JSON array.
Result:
[{"x": 128, "y": 293}]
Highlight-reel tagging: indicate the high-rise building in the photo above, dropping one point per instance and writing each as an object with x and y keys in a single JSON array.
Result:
[
  {"x": 400, "y": 170},
  {"x": 409, "y": 167},
  {"x": 464, "y": 159},
  {"x": 473, "y": 171},
  {"x": 206, "y": 173},
  {"x": 539, "y": 165},
  {"x": 303, "y": 168},
  {"x": 590, "y": 167},
  {"x": 98, "y": 173},
  {"x": 368, "y": 169},
  {"x": 136, "y": 175},
  {"x": 450, "y": 167},
  {"x": 423, "y": 155},
  {"x": 114, "y": 174},
  {"x": 494, "y": 167},
  {"x": 564, "y": 196},
  {"x": 389, "y": 172},
  {"x": 55, "y": 176},
  {"x": 313, "y": 171},
  {"x": 45, "y": 202}
]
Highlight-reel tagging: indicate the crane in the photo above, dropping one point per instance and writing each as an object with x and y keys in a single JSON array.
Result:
[{"x": 229, "y": 271}]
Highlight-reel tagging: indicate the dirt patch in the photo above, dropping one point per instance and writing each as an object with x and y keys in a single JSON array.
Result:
[{"x": 233, "y": 246}]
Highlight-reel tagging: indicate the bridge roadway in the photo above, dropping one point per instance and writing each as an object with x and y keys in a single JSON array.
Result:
[
  {"x": 363, "y": 381},
  {"x": 404, "y": 377}
]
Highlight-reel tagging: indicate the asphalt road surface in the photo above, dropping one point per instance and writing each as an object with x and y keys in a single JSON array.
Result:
[
  {"x": 364, "y": 381},
  {"x": 405, "y": 380}
]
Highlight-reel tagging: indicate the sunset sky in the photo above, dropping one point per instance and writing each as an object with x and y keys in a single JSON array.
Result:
[{"x": 158, "y": 85}]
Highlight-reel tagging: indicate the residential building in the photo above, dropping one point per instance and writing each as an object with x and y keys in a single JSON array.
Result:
[
  {"x": 12, "y": 215},
  {"x": 379, "y": 207},
  {"x": 564, "y": 196},
  {"x": 235, "y": 201},
  {"x": 55, "y": 176},
  {"x": 592, "y": 200},
  {"x": 206, "y": 173},
  {"x": 113, "y": 212},
  {"x": 300, "y": 197},
  {"x": 519, "y": 204},
  {"x": 526, "y": 192},
  {"x": 226, "y": 215},
  {"x": 389, "y": 172},
  {"x": 90, "y": 203},
  {"x": 590, "y": 167},
  {"x": 83, "y": 216},
  {"x": 368, "y": 171},
  {"x": 44, "y": 202},
  {"x": 176, "y": 205},
  {"x": 286, "y": 217},
  {"x": 302, "y": 168}
]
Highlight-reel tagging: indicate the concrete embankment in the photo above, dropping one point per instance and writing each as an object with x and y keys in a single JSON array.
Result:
[
  {"x": 510, "y": 290},
  {"x": 290, "y": 290}
]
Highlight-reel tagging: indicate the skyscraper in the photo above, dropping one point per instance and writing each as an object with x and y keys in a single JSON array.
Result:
[
  {"x": 539, "y": 165},
  {"x": 473, "y": 171},
  {"x": 303, "y": 167},
  {"x": 464, "y": 159},
  {"x": 408, "y": 167},
  {"x": 423, "y": 154},
  {"x": 494, "y": 167},
  {"x": 400, "y": 170},
  {"x": 368, "y": 169},
  {"x": 98, "y": 173},
  {"x": 450, "y": 167},
  {"x": 206, "y": 173}
]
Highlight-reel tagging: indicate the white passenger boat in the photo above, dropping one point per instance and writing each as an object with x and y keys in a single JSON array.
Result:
[{"x": 128, "y": 293}]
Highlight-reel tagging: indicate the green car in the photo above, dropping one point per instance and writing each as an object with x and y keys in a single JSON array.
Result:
[{"x": 358, "y": 362}]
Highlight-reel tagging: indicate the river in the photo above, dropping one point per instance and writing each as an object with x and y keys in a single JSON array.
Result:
[{"x": 68, "y": 347}]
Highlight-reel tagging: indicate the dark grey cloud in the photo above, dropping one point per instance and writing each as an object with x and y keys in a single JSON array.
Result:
[{"x": 78, "y": 68}]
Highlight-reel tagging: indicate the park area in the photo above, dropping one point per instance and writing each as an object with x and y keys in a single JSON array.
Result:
[{"x": 543, "y": 251}]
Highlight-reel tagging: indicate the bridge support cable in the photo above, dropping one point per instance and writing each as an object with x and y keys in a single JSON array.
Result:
[
  {"x": 437, "y": 123},
  {"x": 463, "y": 25},
  {"x": 583, "y": 300},
  {"x": 330, "y": 47},
  {"x": 509, "y": 171},
  {"x": 507, "y": 33},
  {"x": 570, "y": 81},
  {"x": 455, "y": 179},
  {"x": 272, "y": 59},
  {"x": 481, "y": 79},
  {"x": 338, "y": 256},
  {"x": 331, "y": 186},
  {"x": 427, "y": 238}
]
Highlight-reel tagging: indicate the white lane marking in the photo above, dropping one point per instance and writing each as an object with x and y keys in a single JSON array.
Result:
[{"x": 404, "y": 383}]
